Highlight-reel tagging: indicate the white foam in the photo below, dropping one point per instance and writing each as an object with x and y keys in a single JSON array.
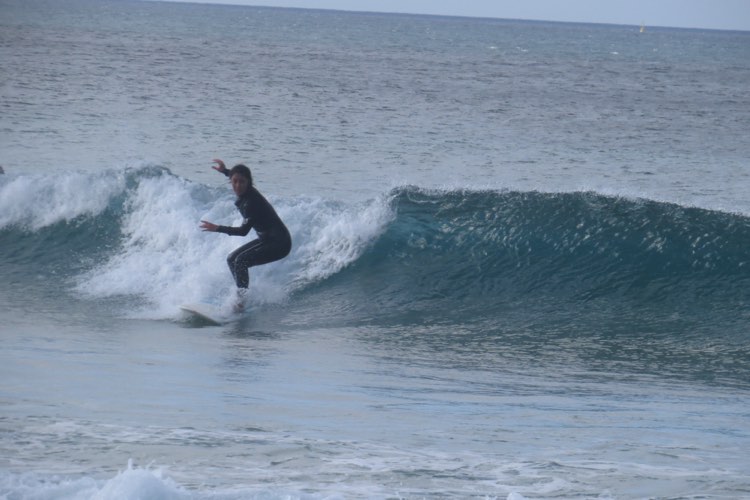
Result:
[
  {"x": 331, "y": 237},
  {"x": 164, "y": 257},
  {"x": 140, "y": 483},
  {"x": 133, "y": 482},
  {"x": 37, "y": 201},
  {"x": 166, "y": 260}
]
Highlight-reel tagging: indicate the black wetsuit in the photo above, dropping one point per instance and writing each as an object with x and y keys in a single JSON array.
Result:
[{"x": 273, "y": 242}]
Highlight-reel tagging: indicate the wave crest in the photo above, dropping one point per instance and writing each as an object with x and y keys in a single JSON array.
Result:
[{"x": 135, "y": 233}]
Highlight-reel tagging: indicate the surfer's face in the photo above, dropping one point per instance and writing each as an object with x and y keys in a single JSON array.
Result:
[{"x": 239, "y": 184}]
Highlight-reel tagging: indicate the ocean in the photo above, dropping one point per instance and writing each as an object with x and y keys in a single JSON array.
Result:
[{"x": 521, "y": 262}]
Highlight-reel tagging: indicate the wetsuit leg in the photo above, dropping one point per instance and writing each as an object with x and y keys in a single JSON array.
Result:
[{"x": 252, "y": 254}]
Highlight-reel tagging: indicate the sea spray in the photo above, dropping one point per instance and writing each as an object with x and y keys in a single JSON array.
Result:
[
  {"x": 164, "y": 259},
  {"x": 131, "y": 483},
  {"x": 34, "y": 201}
]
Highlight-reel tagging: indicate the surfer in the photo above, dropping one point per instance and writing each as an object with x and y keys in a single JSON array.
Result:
[{"x": 273, "y": 242}]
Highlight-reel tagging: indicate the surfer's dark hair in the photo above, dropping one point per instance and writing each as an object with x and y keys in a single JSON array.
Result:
[{"x": 243, "y": 171}]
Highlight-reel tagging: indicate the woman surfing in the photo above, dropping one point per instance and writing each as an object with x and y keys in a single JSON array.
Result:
[{"x": 273, "y": 242}]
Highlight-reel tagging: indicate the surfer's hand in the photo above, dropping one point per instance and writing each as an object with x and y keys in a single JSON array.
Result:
[
  {"x": 208, "y": 226},
  {"x": 219, "y": 167}
]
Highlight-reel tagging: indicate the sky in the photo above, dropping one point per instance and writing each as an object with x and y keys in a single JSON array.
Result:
[{"x": 712, "y": 14}]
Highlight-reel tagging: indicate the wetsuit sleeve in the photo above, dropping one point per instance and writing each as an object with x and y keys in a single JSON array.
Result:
[{"x": 242, "y": 230}]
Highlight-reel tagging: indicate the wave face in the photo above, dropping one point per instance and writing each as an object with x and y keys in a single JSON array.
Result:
[
  {"x": 568, "y": 279},
  {"x": 471, "y": 250}
]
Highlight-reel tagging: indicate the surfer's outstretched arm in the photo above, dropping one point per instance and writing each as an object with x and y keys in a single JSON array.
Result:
[{"x": 220, "y": 167}]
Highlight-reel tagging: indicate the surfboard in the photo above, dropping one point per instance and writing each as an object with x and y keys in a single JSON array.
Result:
[{"x": 205, "y": 312}]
